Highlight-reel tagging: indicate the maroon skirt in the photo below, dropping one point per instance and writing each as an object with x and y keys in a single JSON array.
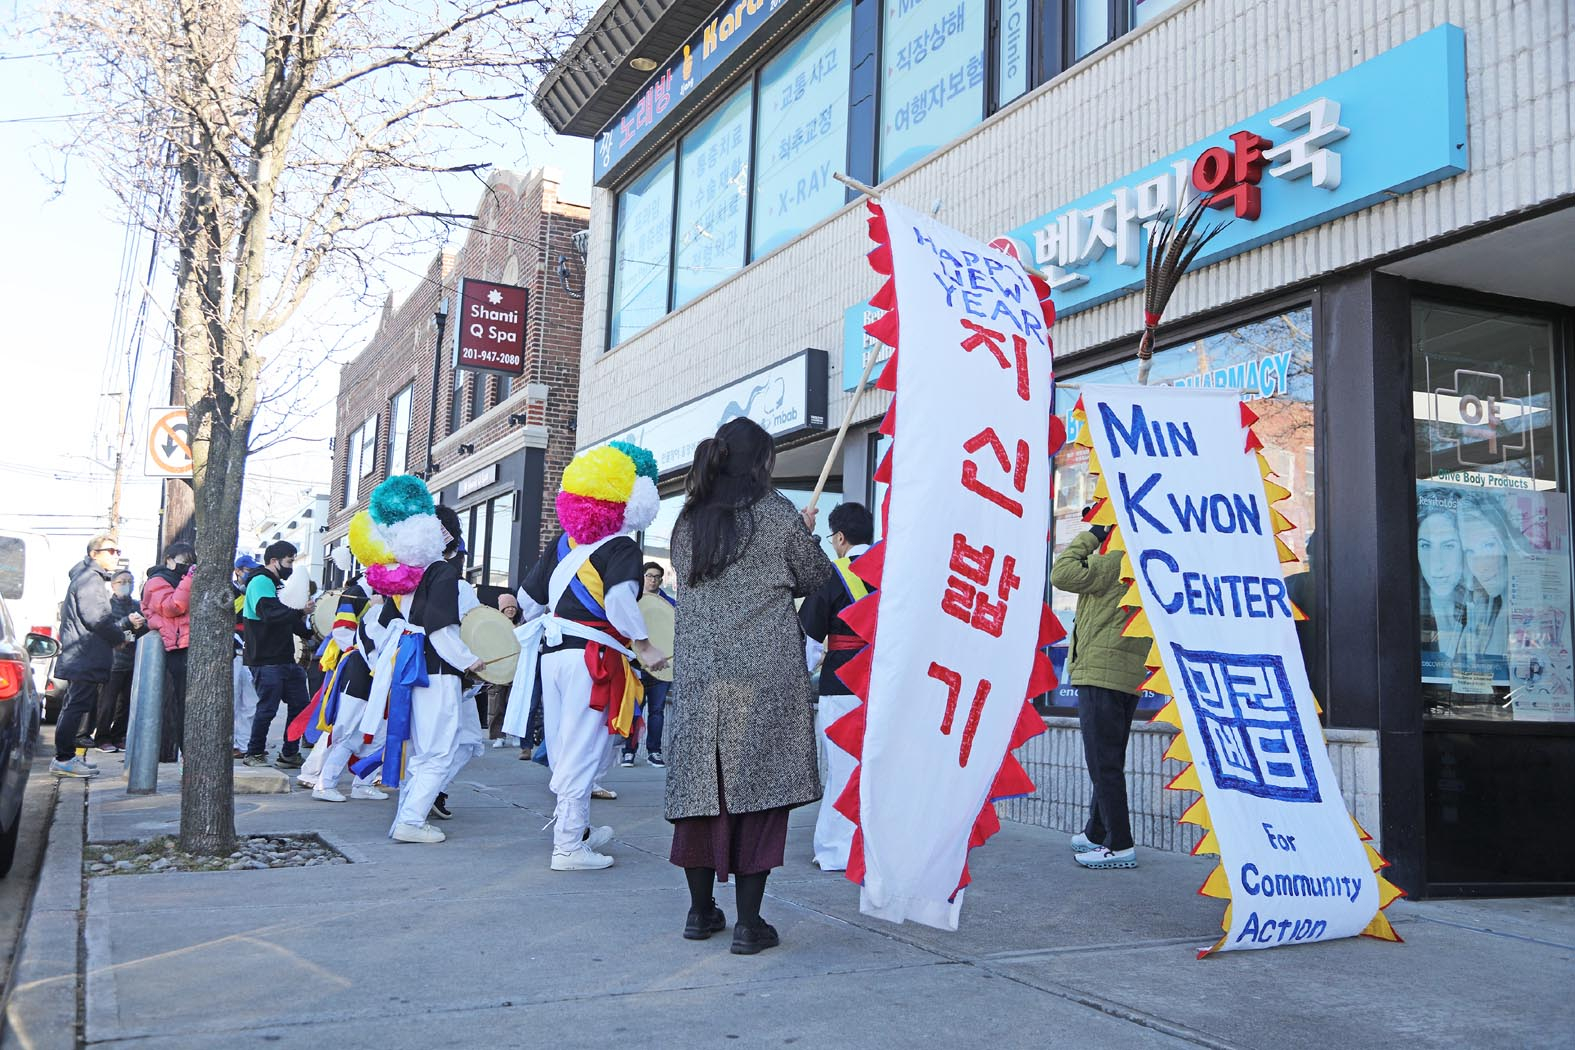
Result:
[{"x": 733, "y": 843}]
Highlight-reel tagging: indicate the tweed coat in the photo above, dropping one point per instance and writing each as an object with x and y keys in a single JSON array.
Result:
[{"x": 742, "y": 698}]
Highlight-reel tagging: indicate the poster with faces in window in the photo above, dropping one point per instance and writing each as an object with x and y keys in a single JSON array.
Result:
[{"x": 1494, "y": 570}]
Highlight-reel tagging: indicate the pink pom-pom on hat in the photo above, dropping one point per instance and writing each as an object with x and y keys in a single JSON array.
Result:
[
  {"x": 394, "y": 579},
  {"x": 587, "y": 520}
]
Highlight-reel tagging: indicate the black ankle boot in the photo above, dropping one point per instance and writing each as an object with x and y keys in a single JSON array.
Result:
[
  {"x": 753, "y": 939},
  {"x": 702, "y": 924}
]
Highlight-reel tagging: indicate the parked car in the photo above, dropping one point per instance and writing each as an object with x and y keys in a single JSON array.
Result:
[
  {"x": 19, "y": 722},
  {"x": 30, "y": 584}
]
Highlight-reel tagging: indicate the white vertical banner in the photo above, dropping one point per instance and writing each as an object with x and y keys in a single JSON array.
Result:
[
  {"x": 1190, "y": 500},
  {"x": 960, "y": 605}
]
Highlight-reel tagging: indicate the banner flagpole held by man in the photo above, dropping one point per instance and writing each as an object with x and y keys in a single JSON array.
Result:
[
  {"x": 1190, "y": 499},
  {"x": 958, "y": 625}
]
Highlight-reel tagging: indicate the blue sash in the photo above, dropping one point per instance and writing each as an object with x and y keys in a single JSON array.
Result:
[
  {"x": 579, "y": 590},
  {"x": 410, "y": 671}
]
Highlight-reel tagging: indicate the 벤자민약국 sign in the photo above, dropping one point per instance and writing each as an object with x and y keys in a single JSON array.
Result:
[
  {"x": 490, "y": 335},
  {"x": 962, "y": 613},
  {"x": 1190, "y": 502}
]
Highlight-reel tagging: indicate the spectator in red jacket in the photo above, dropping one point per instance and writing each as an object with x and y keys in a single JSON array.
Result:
[{"x": 166, "y": 602}]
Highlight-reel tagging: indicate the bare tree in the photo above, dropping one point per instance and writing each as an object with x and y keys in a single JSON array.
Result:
[{"x": 296, "y": 134}]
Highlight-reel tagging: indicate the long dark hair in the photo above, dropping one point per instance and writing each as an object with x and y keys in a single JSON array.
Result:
[{"x": 731, "y": 472}]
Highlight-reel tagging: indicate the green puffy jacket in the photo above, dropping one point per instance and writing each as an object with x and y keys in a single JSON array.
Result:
[{"x": 1098, "y": 655}]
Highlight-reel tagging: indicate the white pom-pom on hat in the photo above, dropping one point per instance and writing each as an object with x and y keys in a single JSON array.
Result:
[
  {"x": 643, "y": 506},
  {"x": 418, "y": 540}
]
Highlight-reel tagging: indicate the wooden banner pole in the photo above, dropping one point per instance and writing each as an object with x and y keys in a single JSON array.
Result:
[{"x": 858, "y": 394}]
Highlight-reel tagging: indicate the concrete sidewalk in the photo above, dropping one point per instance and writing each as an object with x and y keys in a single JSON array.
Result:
[{"x": 475, "y": 943}]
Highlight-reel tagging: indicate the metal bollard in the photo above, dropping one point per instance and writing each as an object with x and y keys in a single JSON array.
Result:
[{"x": 147, "y": 708}]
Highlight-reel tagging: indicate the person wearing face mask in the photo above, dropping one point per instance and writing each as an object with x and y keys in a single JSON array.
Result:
[
  {"x": 269, "y": 636},
  {"x": 166, "y": 602},
  {"x": 114, "y": 699}
]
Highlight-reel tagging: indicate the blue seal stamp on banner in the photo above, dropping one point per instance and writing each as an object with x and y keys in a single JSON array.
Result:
[{"x": 1252, "y": 735}]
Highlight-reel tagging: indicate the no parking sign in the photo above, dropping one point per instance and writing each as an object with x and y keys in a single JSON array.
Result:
[{"x": 168, "y": 447}]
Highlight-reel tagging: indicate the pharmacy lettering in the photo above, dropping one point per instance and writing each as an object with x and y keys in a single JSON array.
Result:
[
  {"x": 1387, "y": 126},
  {"x": 1191, "y": 506}
]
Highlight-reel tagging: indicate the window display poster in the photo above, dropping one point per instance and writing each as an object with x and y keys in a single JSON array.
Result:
[
  {"x": 643, "y": 251},
  {"x": 932, "y": 84},
  {"x": 802, "y": 131},
  {"x": 1494, "y": 570},
  {"x": 713, "y": 184}
]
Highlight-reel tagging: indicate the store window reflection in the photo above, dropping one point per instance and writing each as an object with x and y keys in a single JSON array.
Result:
[
  {"x": 1492, "y": 517},
  {"x": 1270, "y": 362}
]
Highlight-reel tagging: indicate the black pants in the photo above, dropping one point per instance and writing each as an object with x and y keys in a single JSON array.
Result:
[
  {"x": 276, "y": 683},
  {"x": 535, "y": 722},
  {"x": 80, "y": 699},
  {"x": 114, "y": 707},
  {"x": 172, "y": 718},
  {"x": 1105, "y": 717}
]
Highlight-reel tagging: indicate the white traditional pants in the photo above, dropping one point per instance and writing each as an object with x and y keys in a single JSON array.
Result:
[
  {"x": 346, "y": 742},
  {"x": 472, "y": 736},
  {"x": 245, "y": 703},
  {"x": 578, "y": 743},
  {"x": 833, "y": 831},
  {"x": 439, "y": 745}
]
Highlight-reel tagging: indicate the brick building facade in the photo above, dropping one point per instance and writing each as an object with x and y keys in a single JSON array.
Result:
[{"x": 498, "y": 444}]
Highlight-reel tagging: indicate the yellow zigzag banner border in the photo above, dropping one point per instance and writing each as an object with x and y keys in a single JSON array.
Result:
[{"x": 1217, "y": 884}]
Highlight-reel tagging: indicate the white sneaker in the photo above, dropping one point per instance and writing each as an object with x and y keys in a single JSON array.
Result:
[
  {"x": 599, "y": 837},
  {"x": 579, "y": 859},
  {"x": 499, "y": 742},
  {"x": 1104, "y": 857},
  {"x": 306, "y": 781},
  {"x": 1081, "y": 843},
  {"x": 367, "y": 791},
  {"x": 417, "y": 833},
  {"x": 72, "y": 767},
  {"x": 605, "y": 794},
  {"x": 328, "y": 794}
]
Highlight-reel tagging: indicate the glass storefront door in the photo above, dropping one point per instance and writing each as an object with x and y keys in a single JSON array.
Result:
[{"x": 1494, "y": 564}]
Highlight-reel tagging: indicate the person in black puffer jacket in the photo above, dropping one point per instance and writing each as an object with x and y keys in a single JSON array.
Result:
[{"x": 89, "y": 633}]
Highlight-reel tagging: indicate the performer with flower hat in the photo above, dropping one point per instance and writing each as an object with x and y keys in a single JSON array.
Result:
[
  {"x": 345, "y": 693},
  {"x": 583, "y": 626}
]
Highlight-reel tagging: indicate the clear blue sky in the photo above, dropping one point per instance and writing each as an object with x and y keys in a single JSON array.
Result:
[{"x": 65, "y": 245}]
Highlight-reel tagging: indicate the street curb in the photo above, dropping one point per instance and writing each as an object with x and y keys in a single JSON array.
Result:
[{"x": 45, "y": 986}]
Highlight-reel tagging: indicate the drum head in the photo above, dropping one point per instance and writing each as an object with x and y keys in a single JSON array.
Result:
[
  {"x": 490, "y": 635},
  {"x": 324, "y": 613}
]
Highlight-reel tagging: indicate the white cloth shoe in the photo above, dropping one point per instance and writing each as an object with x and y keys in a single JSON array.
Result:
[
  {"x": 499, "y": 742},
  {"x": 605, "y": 794},
  {"x": 328, "y": 794},
  {"x": 1104, "y": 857},
  {"x": 367, "y": 791},
  {"x": 580, "y": 858},
  {"x": 306, "y": 781},
  {"x": 419, "y": 833},
  {"x": 599, "y": 837}
]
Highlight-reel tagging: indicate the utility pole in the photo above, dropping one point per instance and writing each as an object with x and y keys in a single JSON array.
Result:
[
  {"x": 440, "y": 318},
  {"x": 120, "y": 461}
]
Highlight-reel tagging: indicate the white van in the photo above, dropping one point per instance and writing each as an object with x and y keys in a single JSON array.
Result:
[{"x": 31, "y": 585}]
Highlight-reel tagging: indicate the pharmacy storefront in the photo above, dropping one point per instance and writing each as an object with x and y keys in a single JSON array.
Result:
[{"x": 1389, "y": 291}]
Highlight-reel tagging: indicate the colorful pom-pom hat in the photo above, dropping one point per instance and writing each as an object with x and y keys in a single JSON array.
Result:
[{"x": 608, "y": 490}]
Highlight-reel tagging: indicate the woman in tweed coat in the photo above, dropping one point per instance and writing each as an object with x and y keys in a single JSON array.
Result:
[{"x": 742, "y": 747}]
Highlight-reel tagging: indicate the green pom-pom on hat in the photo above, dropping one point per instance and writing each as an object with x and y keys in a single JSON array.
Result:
[{"x": 401, "y": 496}]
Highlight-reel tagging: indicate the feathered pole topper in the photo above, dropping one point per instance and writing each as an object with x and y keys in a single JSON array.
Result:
[{"x": 1172, "y": 246}]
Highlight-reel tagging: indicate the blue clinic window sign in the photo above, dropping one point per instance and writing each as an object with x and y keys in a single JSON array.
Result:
[
  {"x": 932, "y": 77},
  {"x": 801, "y": 134},
  {"x": 713, "y": 188},
  {"x": 1390, "y": 125},
  {"x": 642, "y": 252},
  {"x": 1012, "y": 59}
]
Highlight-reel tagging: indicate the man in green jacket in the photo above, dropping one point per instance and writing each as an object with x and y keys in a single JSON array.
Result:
[{"x": 1107, "y": 670}]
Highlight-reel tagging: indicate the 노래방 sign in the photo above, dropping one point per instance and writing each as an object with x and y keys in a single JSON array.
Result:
[
  {"x": 961, "y": 609},
  {"x": 1191, "y": 504}
]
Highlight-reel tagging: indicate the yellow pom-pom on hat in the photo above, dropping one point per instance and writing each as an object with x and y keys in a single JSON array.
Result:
[
  {"x": 603, "y": 473},
  {"x": 367, "y": 543}
]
